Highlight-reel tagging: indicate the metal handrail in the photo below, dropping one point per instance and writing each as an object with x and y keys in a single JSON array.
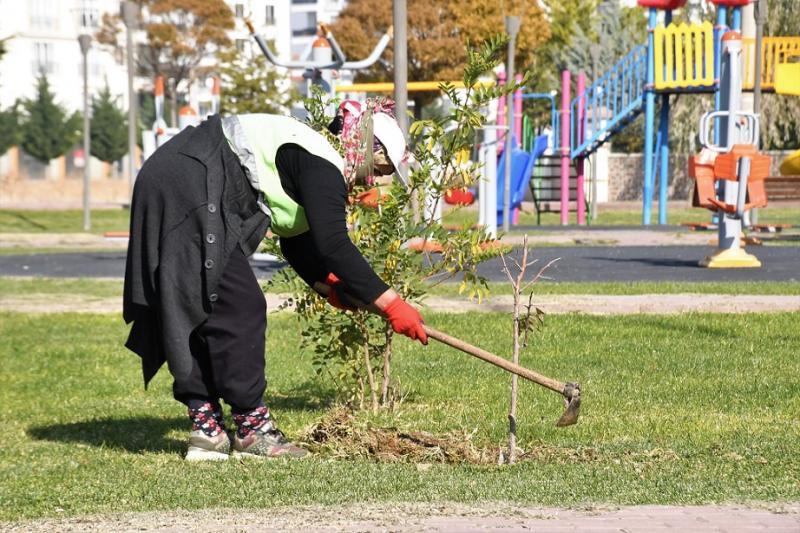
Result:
[{"x": 612, "y": 100}]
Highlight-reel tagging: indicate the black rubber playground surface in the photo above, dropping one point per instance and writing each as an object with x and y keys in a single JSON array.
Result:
[{"x": 586, "y": 263}]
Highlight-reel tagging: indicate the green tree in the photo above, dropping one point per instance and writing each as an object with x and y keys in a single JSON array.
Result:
[
  {"x": 180, "y": 35},
  {"x": 9, "y": 128},
  {"x": 250, "y": 85},
  {"x": 48, "y": 131},
  {"x": 437, "y": 33},
  {"x": 109, "y": 128},
  {"x": 359, "y": 344}
]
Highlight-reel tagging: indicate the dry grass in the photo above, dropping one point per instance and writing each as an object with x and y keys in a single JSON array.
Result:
[{"x": 342, "y": 435}]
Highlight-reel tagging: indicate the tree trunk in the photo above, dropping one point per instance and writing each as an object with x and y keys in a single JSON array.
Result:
[
  {"x": 512, "y": 415},
  {"x": 418, "y": 103},
  {"x": 360, "y": 393},
  {"x": 387, "y": 368},
  {"x": 173, "y": 101}
]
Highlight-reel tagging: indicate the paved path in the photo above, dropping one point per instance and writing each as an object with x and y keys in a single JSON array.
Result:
[
  {"x": 430, "y": 518},
  {"x": 589, "y": 263},
  {"x": 595, "y": 304}
]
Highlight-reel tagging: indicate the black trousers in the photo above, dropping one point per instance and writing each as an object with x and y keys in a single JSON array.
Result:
[{"x": 228, "y": 348}]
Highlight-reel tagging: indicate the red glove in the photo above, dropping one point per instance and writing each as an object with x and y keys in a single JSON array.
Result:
[
  {"x": 333, "y": 296},
  {"x": 405, "y": 320}
]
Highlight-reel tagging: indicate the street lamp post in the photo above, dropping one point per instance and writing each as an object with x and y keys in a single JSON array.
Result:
[
  {"x": 85, "y": 42},
  {"x": 512, "y": 28},
  {"x": 129, "y": 12}
]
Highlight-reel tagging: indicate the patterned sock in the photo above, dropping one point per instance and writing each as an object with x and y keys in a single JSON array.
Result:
[
  {"x": 249, "y": 422},
  {"x": 206, "y": 417}
]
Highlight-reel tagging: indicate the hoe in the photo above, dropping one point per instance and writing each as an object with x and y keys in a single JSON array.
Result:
[{"x": 570, "y": 391}]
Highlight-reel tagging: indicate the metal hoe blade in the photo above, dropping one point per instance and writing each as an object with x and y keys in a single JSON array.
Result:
[{"x": 572, "y": 401}]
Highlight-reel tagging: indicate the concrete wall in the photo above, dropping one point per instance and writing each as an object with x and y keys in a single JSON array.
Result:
[
  {"x": 626, "y": 175},
  {"x": 26, "y": 182}
]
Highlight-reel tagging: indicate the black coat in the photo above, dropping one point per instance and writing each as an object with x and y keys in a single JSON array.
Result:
[{"x": 192, "y": 205}]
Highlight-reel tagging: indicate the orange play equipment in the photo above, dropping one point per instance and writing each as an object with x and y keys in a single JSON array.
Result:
[{"x": 727, "y": 167}]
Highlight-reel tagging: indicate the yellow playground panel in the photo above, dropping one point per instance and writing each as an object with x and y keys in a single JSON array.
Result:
[
  {"x": 787, "y": 77},
  {"x": 412, "y": 86},
  {"x": 684, "y": 56},
  {"x": 776, "y": 53}
]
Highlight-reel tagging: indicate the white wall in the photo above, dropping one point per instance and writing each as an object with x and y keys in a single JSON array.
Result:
[{"x": 53, "y": 25}]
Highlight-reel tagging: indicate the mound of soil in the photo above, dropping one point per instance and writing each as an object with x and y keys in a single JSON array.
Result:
[{"x": 340, "y": 434}]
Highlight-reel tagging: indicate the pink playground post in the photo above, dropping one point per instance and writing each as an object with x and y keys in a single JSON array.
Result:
[
  {"x": 565, "y": 122},
  {"x": 518, "y": 112},
  {"x": 580, "y": 200}
]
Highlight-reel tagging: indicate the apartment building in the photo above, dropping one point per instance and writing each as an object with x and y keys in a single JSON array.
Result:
[{"x": 42, "y": 36}]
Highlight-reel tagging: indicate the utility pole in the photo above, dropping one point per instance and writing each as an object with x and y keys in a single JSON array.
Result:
[
  {"x": 761, "y": 12},
  {"x": 512, "y": 28},
  {"x": 85, "y": 42},
  {"x": 400, "y": 23},
  {"x": 130, "y": 11}
]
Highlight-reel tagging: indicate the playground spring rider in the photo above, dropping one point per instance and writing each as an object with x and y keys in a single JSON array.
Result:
[{"x": 735, "y": 162}]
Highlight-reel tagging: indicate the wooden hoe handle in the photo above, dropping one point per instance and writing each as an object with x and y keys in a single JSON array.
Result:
[
  {"x": 467, "y": 348},
  {"x": 521, "y": 371}
]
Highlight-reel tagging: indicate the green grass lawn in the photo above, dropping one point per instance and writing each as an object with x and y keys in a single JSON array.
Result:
[
  {"x": 677, "y": 409},
  {"x": 546, "y": 288},
  {"x": 71, "y": 220},
  {"x": 631, "y": 217},
  {"x": 105, "y": 288},
  {"x": 62, "y": 220}
]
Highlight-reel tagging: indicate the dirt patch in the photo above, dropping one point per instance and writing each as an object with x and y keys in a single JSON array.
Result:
[
  {"x": 341, "y": 435},
  {"x": 599, "y": 304},
  {"x": 557, "y": 304},
  {"x": 60, "y": 240},
  {"x": 616, "y": 237}
]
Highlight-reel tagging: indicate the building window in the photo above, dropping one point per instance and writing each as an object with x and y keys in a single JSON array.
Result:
[
  {"x": 304, "y": 23},
  {"x": 88, "y": 14},
  {"x": 44, "y": 15},
  {"x": 270, "y": 16},
  {"x": 90, "y": 18},
  {"x": 43, "y": 59},
  {"x": 239, "y": 10}
]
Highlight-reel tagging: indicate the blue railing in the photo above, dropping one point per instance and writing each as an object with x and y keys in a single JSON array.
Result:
[{"x": 612, "y": 101}]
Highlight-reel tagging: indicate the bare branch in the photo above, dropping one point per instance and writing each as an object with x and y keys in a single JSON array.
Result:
[{"x": 540, "y": 275}]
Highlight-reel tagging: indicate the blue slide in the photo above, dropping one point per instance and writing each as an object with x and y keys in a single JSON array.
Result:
[{"x": 521, "y": 170}]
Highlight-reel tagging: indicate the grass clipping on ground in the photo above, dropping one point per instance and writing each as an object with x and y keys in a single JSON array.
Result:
[{"x": 340, "y": 434}]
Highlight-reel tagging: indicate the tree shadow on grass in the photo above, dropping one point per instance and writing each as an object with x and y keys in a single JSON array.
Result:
[
  {"x": 310, "y": 395},
  {"x": 26, "y": 220},
  {"x": 136, "y": 434}
]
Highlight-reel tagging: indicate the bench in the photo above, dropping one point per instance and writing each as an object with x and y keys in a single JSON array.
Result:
[{"x": 783, "y": 188}]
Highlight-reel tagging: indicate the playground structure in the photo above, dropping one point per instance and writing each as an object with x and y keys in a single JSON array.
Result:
[
  {"x": 187, "y": 116},
  {"x": 729, "y": 172},
  {"x": 677, "y": 59}
]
